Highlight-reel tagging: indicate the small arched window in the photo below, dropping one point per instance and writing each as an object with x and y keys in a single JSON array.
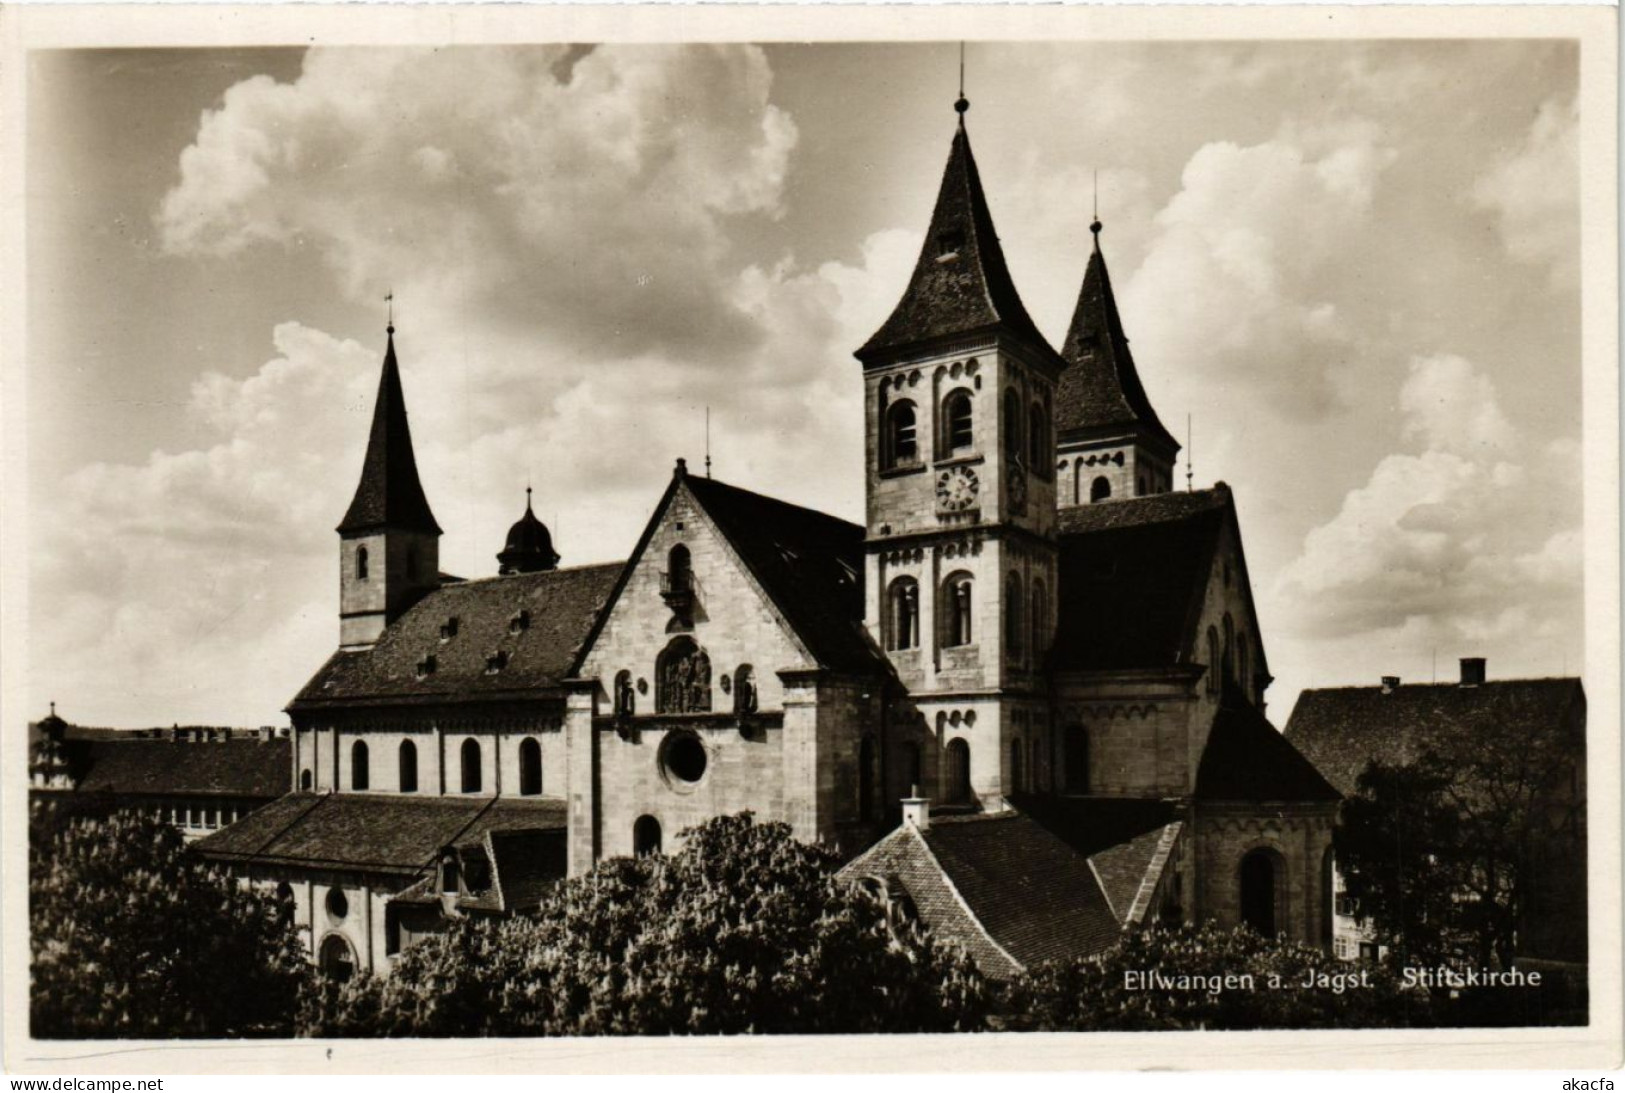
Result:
[
  {"x": 903, "y": 614},
  {"x": 683, "y": 678},
  {"x": 530, "y": 768},
  {"x": 679, "y": 570},
  {"x": 360, "y": 776},
  {"x": 471, "y": 765},
  {"x": 1012, "y": 425},
  {"x": 1012, "y": 614},
  {"x": 646, "y": 836},
  {"x": 1100, "y": 489},
  {"x": 626, "y": 695},
  {"x": 868, "y": 779},
  {"x": 1213, "y": 666},
  {"x": 744, "y": 690},
  {"x": 409, "y": 767},
  {"x": 958, "y": 432},
  {"x": 957, "y": 610},
  {"x": 958, "y": 771},
  {"x": 361, "y": 564},
  {"x": 1039, "y": 456},
  {"x": 1040, "y": 617},
  {"x": 902, "y": 436},
  {"x": 305, "y": 780},
  {"x": 1229, "y": 647}
]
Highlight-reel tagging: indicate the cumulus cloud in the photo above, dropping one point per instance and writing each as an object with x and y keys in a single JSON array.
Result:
[
  {"x": 1468, "y": 539},
  {"x": 1535, "y": 191}
]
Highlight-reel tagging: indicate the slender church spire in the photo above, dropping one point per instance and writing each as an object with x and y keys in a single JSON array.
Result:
[
  {"x": 961, "y": 284},
  {"x": 1100, "y": 392},
  {"x": 389, "y": 494}
]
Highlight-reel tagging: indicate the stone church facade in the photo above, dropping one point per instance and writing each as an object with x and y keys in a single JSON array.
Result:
[{"x": 1034, "y": 650}]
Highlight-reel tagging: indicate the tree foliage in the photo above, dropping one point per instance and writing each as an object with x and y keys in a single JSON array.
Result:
[
  {"x": 131, "y": 938},
  {"x": 1263, "y": 984},
  {"x": 745, "y": 930}
]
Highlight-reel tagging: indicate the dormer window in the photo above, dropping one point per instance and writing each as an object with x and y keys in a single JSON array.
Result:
[
  {"x": 496, "y": 662},
  {"x": 448, "y": 629},
  {"x": 949, "y": 244},
  {"x": 426, "y": 667},
  {"x": 519, "y": 623}
]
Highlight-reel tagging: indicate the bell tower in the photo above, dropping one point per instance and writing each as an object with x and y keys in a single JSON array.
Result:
[
  {"x": 1111, "y": 444},
  {"x": 389, "y": 543},
  {"x": 959, "y": 393}
]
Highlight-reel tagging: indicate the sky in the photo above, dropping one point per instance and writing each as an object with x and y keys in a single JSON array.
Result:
[{"x": 1354, "y": 266}]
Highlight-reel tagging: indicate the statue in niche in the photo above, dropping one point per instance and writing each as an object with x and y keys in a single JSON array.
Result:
[{"x": 684, "y": 678}]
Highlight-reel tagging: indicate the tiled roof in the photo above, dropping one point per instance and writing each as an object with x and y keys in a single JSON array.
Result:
[
  {"x": 526, "y": 864},
  {"x": 1343, "y": 728},
  {"x": 960, "y": 284},
  {"x": 1247, "y": 760},
  {"x": 372, "y": 831},
  {"x": 1100, "y": 390},
  {"x": 1129, "y": 867},
  {"x": 537, "y": 621},
  {"x": 228, "y": 768},
  {"x": 1036, "y": 895},
  {"x": 1131, "y": 575},
  {"x": 810, "y": 564},
  {"x": 389, "y": 493}
]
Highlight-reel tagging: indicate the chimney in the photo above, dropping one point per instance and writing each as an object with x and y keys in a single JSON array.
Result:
[
  {"x": 916, "y": 810},
  {"x": 1390, "y": 684},
  {"x": 1472, "y": 671}
]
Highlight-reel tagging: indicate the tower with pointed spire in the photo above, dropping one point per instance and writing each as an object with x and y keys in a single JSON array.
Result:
[
  {"x": 389, "y": 543},
  {"x": 529, "y": 546},
  {"x": 1109, "y": 442},
  {"x": 959, "y": 391}
]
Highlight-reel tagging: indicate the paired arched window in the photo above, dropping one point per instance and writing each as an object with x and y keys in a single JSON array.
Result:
[
  {"x": 361, "y": 564},
  {"x": 1100, "y": 489},
  {"x": 409, "y": 767},
  {"x": 679, "y": 570},
  {"x": 1013, "y": 624},
  {"x": 902, "y": 435},
  {"x": 956, "y": 611},
  {"x": 645, "y": 836},
  {"x": 360, "y": 776},
  {"x": 903, "y": 614},
  {"x": 958, "y": 771},
  {"x": 744, "y": 690},
  {"x": 626, "y": 696},
  {"x": 683, "y": 675},
  {"x": 868, "y": 779},
  {"x": 1040, "y": 617},
  {"x": 1039, "y": 455},
  {"x": 530, "y": 768},
  {"x": 1213, "y": 665},
  {"x": 1012, "y": 425},
  {"x": 471, "y": 766},
  {"x": 1077, "y": 759},
  {"x": 958, "y": 432}
]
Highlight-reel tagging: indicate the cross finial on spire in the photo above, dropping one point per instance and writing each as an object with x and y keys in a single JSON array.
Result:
[
  {"x": 53, "y": 709},
  {"x": 1094, "y": 224},
  {"x": 961, "y": 104}
]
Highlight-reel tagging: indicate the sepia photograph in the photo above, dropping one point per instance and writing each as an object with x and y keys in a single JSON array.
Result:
[{"x": 708, "y": 529}]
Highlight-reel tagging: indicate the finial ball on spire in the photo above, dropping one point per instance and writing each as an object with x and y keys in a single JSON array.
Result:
[
  {"x": 1094, "y": 226},
  {"x": 961, "y": 105}
]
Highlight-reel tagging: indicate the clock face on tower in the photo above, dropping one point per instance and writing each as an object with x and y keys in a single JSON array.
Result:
[{"x": 956, "y": 489}]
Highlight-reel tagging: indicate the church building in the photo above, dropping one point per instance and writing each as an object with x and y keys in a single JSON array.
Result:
[{"x": 1025, "y": 698}]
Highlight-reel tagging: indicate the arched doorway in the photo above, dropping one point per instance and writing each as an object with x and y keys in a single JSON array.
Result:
[
  {"x": 645, "y": 836},
  {"x": 1261, "y": 882},
  {"x": 337, "y": 959}
]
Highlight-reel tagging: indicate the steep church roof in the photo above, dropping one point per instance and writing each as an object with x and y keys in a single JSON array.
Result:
[
  {"x": 472, "y": 640},
  {"x": 961, "y": 284},
  {"x": 1131, "y": 576},
  {"x": 1100, "y": 391},
  {"x": 1247, "y": 760},
  {"x": 389, "y": 494}
]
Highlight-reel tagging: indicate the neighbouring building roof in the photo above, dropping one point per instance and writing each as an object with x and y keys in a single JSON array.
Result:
[
  {"x": 1342, "y": 729},
  {"x": 809, "y": 564},
  {"x": 1132, "y": 574},
  {"x": 119, "y": 761},
  {"x": 376, "y": 832},
  {"x": 1100, "y": 392},
  {"x": 961, "y": 284},
  {"x": 1247, "y": 760},
  {"x": 389, "y": 493},
  {"x": 536, "y": 621}
]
